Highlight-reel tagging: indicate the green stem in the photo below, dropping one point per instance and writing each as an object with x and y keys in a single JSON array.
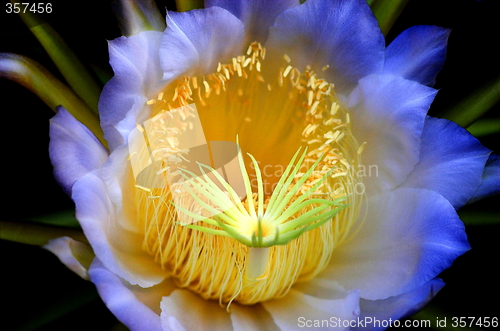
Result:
[{"x": 36, "y": 234}]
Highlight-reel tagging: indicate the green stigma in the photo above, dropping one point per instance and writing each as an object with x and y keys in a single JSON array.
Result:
[{"x": 287, "y": 214}]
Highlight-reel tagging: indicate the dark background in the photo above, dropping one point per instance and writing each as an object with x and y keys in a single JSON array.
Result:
[{"x": 34, "y": 283}]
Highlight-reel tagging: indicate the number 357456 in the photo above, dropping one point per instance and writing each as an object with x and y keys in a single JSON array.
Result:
[{"x": 24, "y": 7}]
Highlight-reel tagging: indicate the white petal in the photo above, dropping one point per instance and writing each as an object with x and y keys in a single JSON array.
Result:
[
  {"x": 297, "y": 311},
  {"x": 184, "y": 310},
  {"x": 451, "y": 161},
  {"x": 388, "y": 113},
  {"x": 136, "y": 307},
  {"x": 119, "y": 180},
  {"x": 408, "y": 237},
  {"x": 418, "y": 53},
  {"x": 196, "y": 41},
  {"x": 395, "y": 308},
  {"x": 341, "y": 34},
  {"x": 257, "y": 15},
  {"x": 136, "y": 64},
  {"x": 491, "y": 179},
  {"x": 118, "y": 249},
  {"x": 322, "y": 288},
  {"x": 74, "y": 150},
  {"x": 251, "y": 318}
]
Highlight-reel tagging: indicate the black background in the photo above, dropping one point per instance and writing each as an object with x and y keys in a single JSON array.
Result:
[{"x": 33, "y": 281}]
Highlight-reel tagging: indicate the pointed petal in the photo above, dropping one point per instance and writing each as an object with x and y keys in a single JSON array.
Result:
[
  {"x": 76, "y": 255},
  {"x": 136, "y": 65},
  {"x": 119, "y": 250},
  {"x": 297, "y": 310},
  {"x": 395, "y": 308},
  {"x": 388, "y": 113},
  {"x": 322, "y": 288},
  {"x": 196, "y": 41},
  {"x": 490, "y": 184},
  {"x": 120, "y": 183},
  {"x": 136, "y": 307},
  {"x": 342, "y": 34},
  {"x": 184, "y": 310},
  {"x": 418, "y": 53},
  {"x": 257, "y": 15},
  {"x": 451, "y": 162},
  {"x": 408, "y": 237},
  {"x": 73, "y": 148}
]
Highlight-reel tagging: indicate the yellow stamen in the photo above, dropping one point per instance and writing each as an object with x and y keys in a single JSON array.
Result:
[{"x": 361, "y": 148}]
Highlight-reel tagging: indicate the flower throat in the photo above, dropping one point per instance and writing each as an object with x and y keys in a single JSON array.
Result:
[{"x": 296, "y": 161}]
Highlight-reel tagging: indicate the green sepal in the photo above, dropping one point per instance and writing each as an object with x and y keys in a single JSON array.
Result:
[
  {"x": 185, "y": 5},
  {"x": 64, "y": 218},
  {"x": 475, "y": 105},
  {"x": 387, "y": 12},
  {"x": 81, "y": 81},
  {"x": 477, "y": 217},
  {"x": 49, "y": 89},
  {"x": 484, "y": 127},
  {"x": 138, "y": 16}
]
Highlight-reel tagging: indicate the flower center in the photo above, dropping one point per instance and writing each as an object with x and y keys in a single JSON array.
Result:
[{"x": 294, "y": 198}]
